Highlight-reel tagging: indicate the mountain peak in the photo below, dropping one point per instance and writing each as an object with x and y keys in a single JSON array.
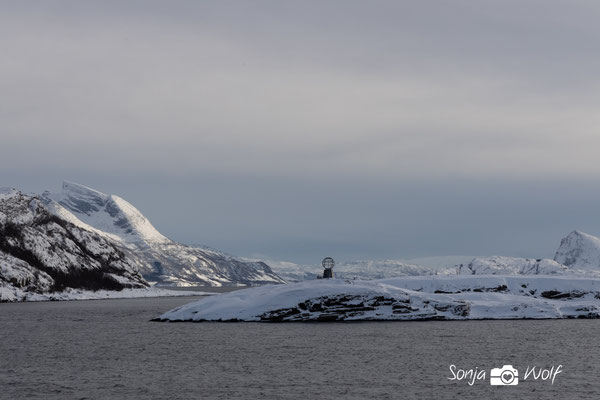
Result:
[
  {"x": 578, "y": 233},
  {"x": 579, "y": 250},
  {"x": 108, "y": 213},
  {"x": 77, "y": 191}
]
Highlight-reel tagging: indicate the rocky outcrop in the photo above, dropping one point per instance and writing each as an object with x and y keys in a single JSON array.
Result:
[
  {"x": 348, "y": 307},
  {"x": 41, "y": 252}
]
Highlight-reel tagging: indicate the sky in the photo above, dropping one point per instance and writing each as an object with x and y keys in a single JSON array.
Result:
[{"x": 296, "y": 130}]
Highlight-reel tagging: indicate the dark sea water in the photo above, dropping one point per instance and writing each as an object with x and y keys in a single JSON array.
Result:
[{"x": 109, "y": 349}]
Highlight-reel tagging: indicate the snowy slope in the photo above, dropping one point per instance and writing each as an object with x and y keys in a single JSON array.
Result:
[
  {"x": 43, "y": 253},
  {"x": 365, "y": 269},
  {"x": 160, "y": 259},
  {"x": 498, "y": 265},
  {"x": 407, "y": 298},
  {"x": 579, "y": 251},
  {"x": 109, "y": 214}
]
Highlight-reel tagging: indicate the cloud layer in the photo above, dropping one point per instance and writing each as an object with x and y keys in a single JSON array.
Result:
[{"x": 289, "y": 93}]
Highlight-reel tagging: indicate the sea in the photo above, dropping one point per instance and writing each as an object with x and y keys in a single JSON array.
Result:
[{"x": 110, "y": 349}]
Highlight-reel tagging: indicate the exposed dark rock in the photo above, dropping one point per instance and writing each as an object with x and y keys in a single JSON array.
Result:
[
  {"x": 553, "y": 294},
  {"x": 48, "y": 254},
  {"x": 344, "y": 307}
]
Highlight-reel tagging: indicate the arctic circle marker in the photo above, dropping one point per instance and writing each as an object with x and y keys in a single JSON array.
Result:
[{"x": 328, "y": 263}]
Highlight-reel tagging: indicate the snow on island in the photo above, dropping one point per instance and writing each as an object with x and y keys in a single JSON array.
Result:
[{"x": 406, "y": 298}]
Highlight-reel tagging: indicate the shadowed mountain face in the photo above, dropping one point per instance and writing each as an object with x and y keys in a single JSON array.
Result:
[
  {"x": 41, "y": 252},
  {"x": 159, "y": 259}
]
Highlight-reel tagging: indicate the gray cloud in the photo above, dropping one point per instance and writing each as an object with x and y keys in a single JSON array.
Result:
[{"x": 365, "y": 98}]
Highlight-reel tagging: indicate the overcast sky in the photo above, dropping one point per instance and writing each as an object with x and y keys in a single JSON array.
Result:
[{"x": 296, "y": 130}]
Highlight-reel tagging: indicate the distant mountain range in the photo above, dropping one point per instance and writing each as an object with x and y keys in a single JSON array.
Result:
[
  {"x": 82, "y": 238},
  {"x": 579, "y": 253}
]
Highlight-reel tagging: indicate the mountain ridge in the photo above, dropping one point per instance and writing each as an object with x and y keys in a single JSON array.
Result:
[
  {"x": 578, "y": 254},
  {"x": 160, "y": 259}
]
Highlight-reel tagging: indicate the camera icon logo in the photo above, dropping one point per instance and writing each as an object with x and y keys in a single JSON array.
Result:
[{"x": 505, "y": 376}]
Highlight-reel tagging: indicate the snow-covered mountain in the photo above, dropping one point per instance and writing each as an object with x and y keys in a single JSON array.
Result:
[
  {"x": 109, "y": 215},
  {"x": 159, "y": 259},
  {"x": 41, "y": 252},
  {"x": 578, "y": 254},
  {"x": 381, "y": 269},
  {"x": 497, "y": 265},
  {"x": 579, "y": 251},
  {"x": 164, "y": 261}
]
